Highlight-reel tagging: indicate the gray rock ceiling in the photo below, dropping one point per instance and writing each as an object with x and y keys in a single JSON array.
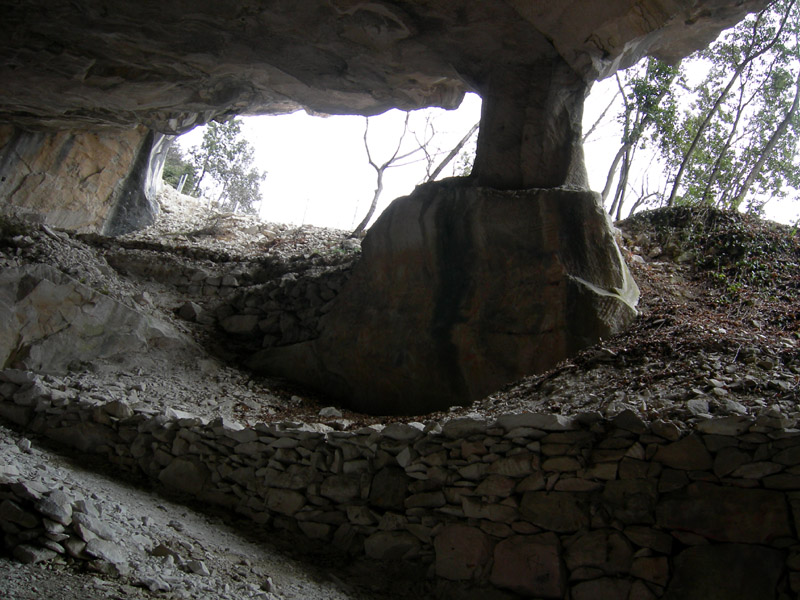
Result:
[{"x": 173, "y": 63}]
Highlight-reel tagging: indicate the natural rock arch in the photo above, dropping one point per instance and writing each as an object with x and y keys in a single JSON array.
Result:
[{"x": 85, "y": 73}]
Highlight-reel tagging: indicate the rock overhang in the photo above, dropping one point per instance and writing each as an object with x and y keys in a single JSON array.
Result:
[
  {"x": 173, "y": 64},
  {"x": 86, "y": 64}
]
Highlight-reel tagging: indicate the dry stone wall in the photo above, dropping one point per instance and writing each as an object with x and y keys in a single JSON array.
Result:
[
  {"x": 535, "y": 505},
  {"x": 258, "y": 303}
]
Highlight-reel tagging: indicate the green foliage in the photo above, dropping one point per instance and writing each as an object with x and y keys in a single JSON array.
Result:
[
  {"x": 227, "y": 159},
  {"x": 176, "y": 166},
  {"x": 647, "y": 106},
  {"x": 745, "y": 258},
  {"x": 730, "y": 145},
  {"x": 728, "y": 138},
  {"x": 464, "y": 163}
]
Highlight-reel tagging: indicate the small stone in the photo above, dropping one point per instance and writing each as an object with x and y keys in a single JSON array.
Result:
[
  {"x": 697, "y": 406},
  {"x": 725, "y": 571},
  {"x": 105, "y": 550},
  {"x": 530, "y": 565},
  {"x": 11, "y": 512},
  {"x": 330, "y": 412},
  {"x": 461, "y": 551},
  {"x": 118, "y": 409},
  {"x": 543, "y": 421},
  {"x": 496, "y": 485},
  {"x": 29, "y": 490},
  {"x": 242, "y": 325},
  {"x": 689, "y": 454},
  {"x": 24, "y": 444},
  {"x": 185, "y": 475},
  {"x": 75, "y": 547},
  {"x": 163, "y": 551},
  {"x": 86, "y": 507},
  {"x": 53, "y": 528},
  {"x": 403, "y": 431},
  {"x": 757, "y": 470},
  {"x": 283, "y": 501},
  {"x": 57, "y": 506},
  {"x": 176, "y": 525},
  {"x": 667, "y": 430},
  {"x": 341, "y": 488},
  {"x": 82, "y": 521},
  {"x": 609, "y": 551},
  {"x": 463, "y": 428},
  {"x": 559, "y": 511},
  {"x": 654, "y": 569},
  {"x": 18, "y": 376},
  {"x": 629, "y": 421},
  {"x": 604, "y": 588},
  {"x": 390, "y": 545},
  {"x": 31, "y": 554},
  {"x": 725, "y": 426},
  {"x": 52, "y": 545},
  {"x": 154, "y": 584},
  {"x": 198, "y": 567},
  {"x": 426, "y": 500},
  {"x": 561, "y": 463}
]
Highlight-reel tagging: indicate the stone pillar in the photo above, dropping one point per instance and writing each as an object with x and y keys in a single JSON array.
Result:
[{"x": 530, "y": 134}]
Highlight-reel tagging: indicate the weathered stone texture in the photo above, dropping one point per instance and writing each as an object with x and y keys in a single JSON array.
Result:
[
  {"x": 78, "y": 180},
  {"x": 461, "y": 290},
  {"x": 174, "y": 63},
  {"x": 405, "y": 498},
  {"x": 726, "y": 572},
  {"x": 555, "y": 511},
  {"x": 530, "y": 565},
  {"x": 727, "y": 514},
  {"x": 461, "y": 552},
  {"x": 49, "y": 320}
]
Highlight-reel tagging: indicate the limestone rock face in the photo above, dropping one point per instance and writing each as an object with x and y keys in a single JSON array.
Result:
[
  {"x": 80, "y": 180},
  {"x": 174, "y": 63},
  {"x": 49, "y": 320},
  {"x": 460, "y": 290}
]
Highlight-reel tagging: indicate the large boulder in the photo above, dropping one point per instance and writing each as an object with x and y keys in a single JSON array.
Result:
[
  {"x": 50, "y": 321},
  {"x": 460, "y": 290},
  {"x": 726, "y": 572}
]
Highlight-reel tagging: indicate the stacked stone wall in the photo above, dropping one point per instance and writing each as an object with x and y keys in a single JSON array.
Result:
[
  {"x": 257, "y": 305},
  {"x": 535, "y": 505}
]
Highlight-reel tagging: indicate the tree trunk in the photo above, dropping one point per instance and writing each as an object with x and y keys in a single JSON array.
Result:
[
  {"x": 453, "y": 153},
  {"x": 721, "y": 154},
  {"x": 750, "y": 57},
  {"x": 770, "y": 146},
  {"x": 600, "y": 118},
  {"x": 363, "y": 225}
]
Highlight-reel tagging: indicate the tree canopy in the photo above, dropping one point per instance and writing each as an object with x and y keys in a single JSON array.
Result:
[{"x": 728, "y": 138}]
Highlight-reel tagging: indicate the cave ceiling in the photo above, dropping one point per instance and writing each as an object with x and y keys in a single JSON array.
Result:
[{"x": 174, "y": 63}]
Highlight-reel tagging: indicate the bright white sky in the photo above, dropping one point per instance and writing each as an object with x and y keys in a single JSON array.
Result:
[{"x": 318, "y": 172}]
